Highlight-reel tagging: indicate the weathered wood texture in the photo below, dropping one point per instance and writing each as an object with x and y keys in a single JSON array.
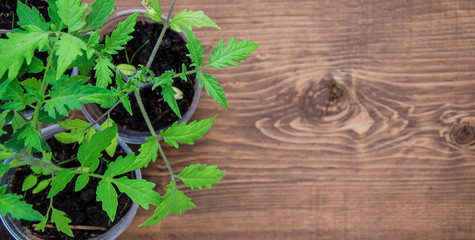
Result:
[{"x": 353, "y": 120}]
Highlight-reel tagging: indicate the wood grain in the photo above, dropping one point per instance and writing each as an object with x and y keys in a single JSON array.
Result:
[{"x": 353, "y": 120}]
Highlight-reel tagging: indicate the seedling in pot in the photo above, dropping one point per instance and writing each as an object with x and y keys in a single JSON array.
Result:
[{"x": 72, "y": 38}]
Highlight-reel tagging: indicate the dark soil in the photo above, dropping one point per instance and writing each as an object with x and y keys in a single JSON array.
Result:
[
  {"x": 81, "y": 207},
  {"x": 171, "y": 54},
  {"x": 8, "y": 11}
]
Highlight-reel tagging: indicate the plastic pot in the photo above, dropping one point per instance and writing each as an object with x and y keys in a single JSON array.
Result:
[
  {"x": 93, "y": 112},
  {"x": 20, "y": 233}
]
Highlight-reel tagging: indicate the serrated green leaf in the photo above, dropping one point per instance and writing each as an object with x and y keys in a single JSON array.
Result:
[
  {"x": 148, "y": 152},
  {"x": 64, "y": 98},
  {"x": 174, "y": 202},
  {"x": 107, "y": 194},
  {"x": 213, "y": 88},
  {"x": 100, "y": 11},
  {"x": 42, "y": 225},
  {"x": 169, "y": 94},
  {"x": 92, "y": 43},
  {"x": 165, "y": 78},
  {"x": 42, "y": 185},
  {"x": 81, "y": 182},
  {"x": 153, "y": 10},
  {"x": 233, "y": 52},
  {"x": 68, "y": 49},
  {"x": 195, "y": 49},
  {"x": 78, "y": 131},
  {"x": 120, "y": 36},
  {"x": 19, "y": 48},
  {"x": 61, "y": 222},
  {"x": 53, "y": 13},
  {"x": 102, "y": 96},
  {"x": 120, "y": 166},
  {"x": 18, "y": 209},
  {"x": 59, "y": 182},
  {"x": 3, "y": 167},
  {"x": 113, "y": 144},
  {"x": 124, "y": 99},
  {"x": 30, "y": 16},
  {"x": 199, "y": 175},
  {"x": 31, "y": 137},
  {"x": 36, "y": 66},
  {"x": 191, "y": 19},
  {"x": 139, "y": 190},
  {"x": 29, "y": 182},
  {"x": 186, "y": 132},
  {"x": 91, "y": 150},
  {"x": 103, "y": 72},
  {"x": 72, "y": 13},
  {"x": 16, "y": 97}
]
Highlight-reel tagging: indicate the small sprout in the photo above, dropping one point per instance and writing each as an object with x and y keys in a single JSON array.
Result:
[
  {"x": 127, "y": 69},
  {"x": 179, "y": 93}
]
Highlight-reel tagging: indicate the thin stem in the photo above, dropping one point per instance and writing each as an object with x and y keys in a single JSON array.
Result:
[
  {"x": 102, "y": 116},
  {"x": 160, "y": 38},
  {"x": 154, "y": 134}
]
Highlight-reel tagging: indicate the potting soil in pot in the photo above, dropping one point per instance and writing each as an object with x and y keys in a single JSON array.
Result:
[
  {"x": 171, "y": 54},
  {"x": 8, "y": 11},
  {"x": 88, "y": 218}
]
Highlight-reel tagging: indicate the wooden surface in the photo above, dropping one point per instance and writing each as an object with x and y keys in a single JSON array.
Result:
[{"x": 353, "y": 120}]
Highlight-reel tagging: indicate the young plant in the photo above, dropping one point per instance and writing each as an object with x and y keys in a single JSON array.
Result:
[{"x": 72, "y": 38}]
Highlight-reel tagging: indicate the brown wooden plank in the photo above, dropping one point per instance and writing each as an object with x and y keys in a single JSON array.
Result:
[{"x": 353, "y": 120}]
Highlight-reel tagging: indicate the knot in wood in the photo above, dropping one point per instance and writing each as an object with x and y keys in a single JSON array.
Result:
[
  {"x": 325, "y": 98},
  {"x": 463, "y": 134}
]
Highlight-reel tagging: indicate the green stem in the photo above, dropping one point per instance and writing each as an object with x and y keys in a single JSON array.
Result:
[
  {"x": 154, "y": 134},
  {"x": 160, "y": 38}
]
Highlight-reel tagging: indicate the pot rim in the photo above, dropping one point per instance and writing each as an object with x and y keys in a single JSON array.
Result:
[{"x": 132, "y": 136}]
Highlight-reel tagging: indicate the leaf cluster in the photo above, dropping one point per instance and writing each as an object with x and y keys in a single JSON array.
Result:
[{"x": 72, "y": 39}]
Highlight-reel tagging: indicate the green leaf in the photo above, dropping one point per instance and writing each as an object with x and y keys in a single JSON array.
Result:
[
  {"x": 120, "y": 166},
  {"x": 199, "y": 175},
  {"x": 120, "y": 36},
  {"x": 139, "y": 190},
  {"x": 64, "y": 98},
  {"x": 234, "y": 52},
  {"x": 30, "y": 16},
  {"x": 147, "y": 153},
  {"x": 16, "y": 96},
  {"x": 53, "y": 13},
  {"x": 93, "y": 41},
  {"x": 127, "y": 69},
  {"x": 72, "y": 13},
  {"x": 107, "y": 194},
  {"x": 186, "y": 132},
  {"x": 18, "y": 48},
  {"x": 102, "y": 96},
  {"x": 195, "y": 49},
  {"x": 59, "y": 182},
  {"x": 81, "y": 182},
  {"x": 153, "y": 9},
  {"x": 91, "y": 150},
  {"x": 174, "y": 202},
  {"x": 100, "y": 11},
  {"x": 191, "y": 19},
  {"x": 18, "y": 209},
  {"x": 113, "y": 144},
  {"x": 29, "y": 182},
  {"x": 42, "y": 225},
  {"x": 68, "y": 49},
  {"x": 165, "y": 81},
  {"x": 41, "y": 186},
  {"x": 213, "y": 88},
  {"x": 61, "y": 222},
  {"x": 3, "y": 167},
  {"x": 103, "y": 72},
  {"x": 31, "y": 137},
  {"x": 78, "y": 131}
]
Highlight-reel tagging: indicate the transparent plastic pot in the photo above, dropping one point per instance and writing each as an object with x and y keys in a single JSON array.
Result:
[
  {"x": 92, "y": 111},
  {"x": 18, "y": 232}
]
